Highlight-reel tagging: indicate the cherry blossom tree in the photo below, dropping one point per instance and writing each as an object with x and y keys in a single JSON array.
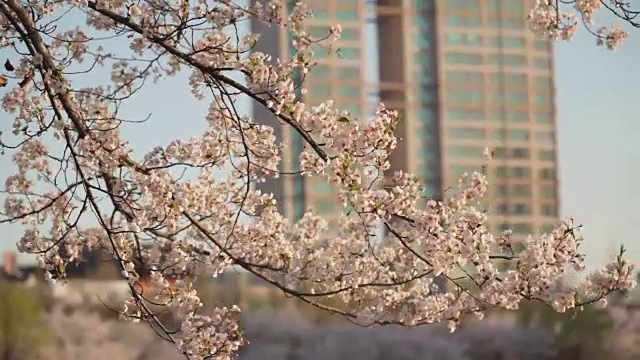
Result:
[{"x": 73, "y": 167}]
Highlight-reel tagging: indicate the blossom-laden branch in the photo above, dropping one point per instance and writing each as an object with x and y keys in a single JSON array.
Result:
[
  {"x": 559, "y": 19},
  {"x": 74, "y": 167}
]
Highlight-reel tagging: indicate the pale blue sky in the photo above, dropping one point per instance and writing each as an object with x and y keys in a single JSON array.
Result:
[
  {"x": 599, "y": 144},
  {"x": 599, "y": 150}
]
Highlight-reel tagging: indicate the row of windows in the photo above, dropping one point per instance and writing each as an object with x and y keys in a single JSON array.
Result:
[
  {"x": 471, "y": 152},
  {"x": 479, "y": 97},
  {"x": 344, "y": 72},
  {"x": 524, "y": 135},
  {"x": 526, "y": 209},
  {"x": 325, "y": 89},
  {"x": 470, "y": 78},
  {"x": 514, "y": 96},
  {"x": 519, "y": 172},
  {"x": 462, "y": 58},
  {"x": 547, "y": 192},
  {"x": 348, "y": 34},
  {"x": 516, "y": 190},
  {"x": 494, "y": 22},
  {"x": 508, "y": 115},
  {"x": 500, "y": 41},
  {"x": 499, "y": 153},
  {"x": 515, "y": 7},
  {"x": 524, "y": 228},
  {"x": 347, "y": 53},
  {"x": 343, "y": 13}
]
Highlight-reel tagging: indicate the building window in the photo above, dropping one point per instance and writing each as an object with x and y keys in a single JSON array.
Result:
[
  {"x": 465, "y": 114},
  {"x": 547, "y": 155},
  {"x": 545, "y": 137},
  {"x": 542, "y": 45},
  {"x": 322, "y": 188},
  {"x": 544, "y": 82},
  {"x": 346, "y": 14},
  {"x": 463, "y": 5},
  {"x": 508, "y": 60},
  {"x": 509, "y": 79},
  {"x": 349, "y": 34},
  {"x": 319, "y": 32},
  {"x": 514, "y": 134},
  {"x": 509, "y": 42},
  {"x": 549, "y": 210},
  {"x": 516, "y": 172},
  {"x": 463, "y": 58},
  {"x": 455, "y": 20},
  {"x": 517, "y": 228},
  {"x": 542, "y": 63},
  {"x": 426, "y": 96},
  {"x": 349, "y": 73},
  {"x": 507, "y": 23},
  {"x": 511, "y": 116},
  {"x": 547, "y": 228},
  {"x": 349, "y": 91},
  {"x": 427, "y": 135},
  {"x": 516, "y": 153},
  {"x": 320, "y": 71},
  {"x": 320, "y": 13},
  {"x": 506, "y": 6},
  {"x": 521, "y": 209},
  {"x": 548, "y": 192},
  {"x": 348, "y": 53},
  {"x": 320, "y": 52},
  {"x": 325, "y": 207},
  {"x": 542, "y": 100},
  {"x": 466, "y": 152},
  {"x": 510, "y": 97},
  {"x": 522, "y": 228},
  {"x": 458, "y": 170},
  {"x": 466, "y": 96},
  {"x": 422, "y": 40},
  {"x": 318, "y": 90},
  {"x": 520, "y": 153},
  {"x": 467, "y": 133},
  {"x": 547, "y": 174},
  {"x": 520, "y": 190},
  {"x": 353, "y": 110},
  {"x": 463, "y": 39},
  {"x": 544, "y": 118},
  {"x": 464, "y": 77}
]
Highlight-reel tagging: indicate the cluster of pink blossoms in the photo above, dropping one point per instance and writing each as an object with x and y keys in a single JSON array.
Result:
[
  {"x": 557, "y": 20},
  {"x": 73, "y": 167}
]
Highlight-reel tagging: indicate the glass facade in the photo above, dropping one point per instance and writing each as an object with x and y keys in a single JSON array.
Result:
[
  {"x": 425, "y": 111},
  {"x": 338, "y": 76}
]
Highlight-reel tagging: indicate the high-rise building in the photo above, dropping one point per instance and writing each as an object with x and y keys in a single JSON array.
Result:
[
  {"x": 467, "y": 74},
  {"x": 339, "y": 76}
]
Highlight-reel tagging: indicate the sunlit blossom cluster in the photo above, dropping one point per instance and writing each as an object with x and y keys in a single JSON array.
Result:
[
  {"x": 73, "y": 168},
  {"x": 558, "y": 20}
]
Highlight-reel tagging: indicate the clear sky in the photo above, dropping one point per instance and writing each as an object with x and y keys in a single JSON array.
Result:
[{"x": 598, "y": 138}]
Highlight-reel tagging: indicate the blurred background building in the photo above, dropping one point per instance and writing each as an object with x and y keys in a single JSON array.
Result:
[
  {"x": 465, "y": 74},
  {"x": 340, "y": 76}
]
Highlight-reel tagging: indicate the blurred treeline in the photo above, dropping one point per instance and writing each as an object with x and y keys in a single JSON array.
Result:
[{"x": 35, "y": 326}]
